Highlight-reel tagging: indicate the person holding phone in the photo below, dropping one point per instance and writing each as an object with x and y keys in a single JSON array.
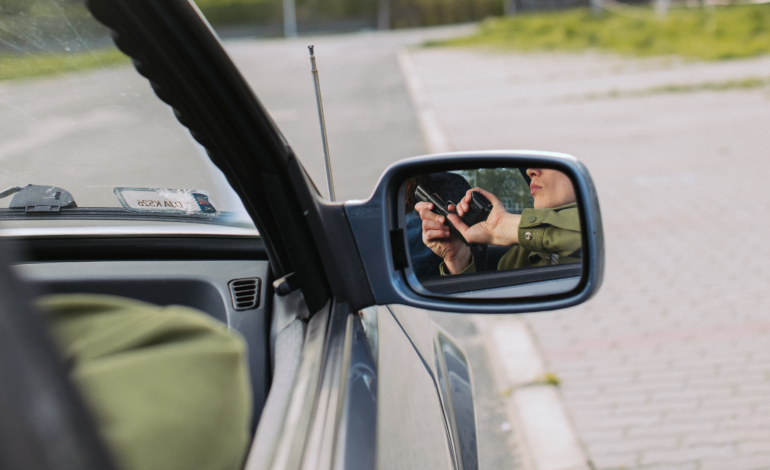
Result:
[{"x": 547, "y": 234}]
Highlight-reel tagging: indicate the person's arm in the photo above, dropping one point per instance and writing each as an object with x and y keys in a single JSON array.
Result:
[
  {"x": 469, "y": 269},
  {"x": 168, "y": 386}
]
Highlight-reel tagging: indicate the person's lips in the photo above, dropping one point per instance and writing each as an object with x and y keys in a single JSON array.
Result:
[{"x": 533, "y": 188}]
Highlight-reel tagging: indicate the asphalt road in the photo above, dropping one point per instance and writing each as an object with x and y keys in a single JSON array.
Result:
[
  {"x": 369, "y": 115},
  {"x": 91, "y": 132}
]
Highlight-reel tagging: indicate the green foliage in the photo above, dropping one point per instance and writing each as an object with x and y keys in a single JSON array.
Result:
[
  {"x": 549, "y": 378},
  {"x": 205, "y": 4},
  {"x": 220, "y": 12},
  {"x": 41, "y": 8},
  {"x": 710, "y": 33},
  {"x": 15, "y": 7},
  {"x": 13, "y": 67},
  {"x": 415, "y": 13},
  {"x": 404, "y": 13},
  {"x": 739, "y": 84},
  {"x": 747, "y": 83},
  {"x": 506, "y": 183}
]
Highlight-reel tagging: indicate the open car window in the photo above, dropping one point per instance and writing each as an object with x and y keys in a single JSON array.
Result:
[{"x": 85, "y": 142}]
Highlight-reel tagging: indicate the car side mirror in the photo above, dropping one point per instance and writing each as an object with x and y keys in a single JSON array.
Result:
[{"x": 482, "y": 232}]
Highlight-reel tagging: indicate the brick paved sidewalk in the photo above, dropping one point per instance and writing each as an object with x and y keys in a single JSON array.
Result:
[{"x": 668, "y": 367}]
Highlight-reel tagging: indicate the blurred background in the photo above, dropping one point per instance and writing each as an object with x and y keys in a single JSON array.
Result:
[{"x": 666, "y": 102}]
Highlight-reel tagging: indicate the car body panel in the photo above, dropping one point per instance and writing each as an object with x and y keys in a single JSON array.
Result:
[
  {"x": 412, "y": 429},
  {"x": 447, "y": 365},
  {"x": 356, "y": 445}
]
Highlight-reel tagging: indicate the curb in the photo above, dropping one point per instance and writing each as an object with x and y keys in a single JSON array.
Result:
[{"x": 545, "y": 430}]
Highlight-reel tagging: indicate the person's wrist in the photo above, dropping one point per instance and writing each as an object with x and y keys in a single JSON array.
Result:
[
  {"x": 457, "y": 263},
  {"x": 507, "y": 231}
]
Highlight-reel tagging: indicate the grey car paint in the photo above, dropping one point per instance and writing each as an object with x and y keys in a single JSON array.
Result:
[
  {"x": 435, "y": 364},
  {"x": 372, "y": 399}
]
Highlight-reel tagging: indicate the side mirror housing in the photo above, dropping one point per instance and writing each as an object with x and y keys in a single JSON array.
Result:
[{"x": 540, "y": 279}]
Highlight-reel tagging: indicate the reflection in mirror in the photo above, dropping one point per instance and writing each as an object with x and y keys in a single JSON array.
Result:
[{"x": 494, "y": 232}]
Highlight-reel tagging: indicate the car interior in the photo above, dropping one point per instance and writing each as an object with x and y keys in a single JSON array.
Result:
[
  {"x": 213, "y": 264},
  {"x": 226, "y": 278}
]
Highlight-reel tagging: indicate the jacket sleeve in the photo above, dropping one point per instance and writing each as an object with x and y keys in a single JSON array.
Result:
[
  {"x": 168, "y": 386},
  {"x": 555, "y": 230},
  {"x": 471, "y": 268}
]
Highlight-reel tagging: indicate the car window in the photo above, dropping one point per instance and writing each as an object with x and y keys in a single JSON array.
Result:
[
  {"x": 508, "y": 184},
  {"x": 77, "y": 121}
]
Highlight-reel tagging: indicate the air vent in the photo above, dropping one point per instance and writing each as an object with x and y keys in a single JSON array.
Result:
[{"x": 245, "y": 293}]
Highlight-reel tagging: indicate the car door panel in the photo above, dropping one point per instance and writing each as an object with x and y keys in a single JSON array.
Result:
[
  {"x": 455, "y": 380},
  {"x": 420, "y": 329},
  {"x": 411, "y": 430},
  {"x": 357, "y": 437},
  {"x": 453, "y": 377}
]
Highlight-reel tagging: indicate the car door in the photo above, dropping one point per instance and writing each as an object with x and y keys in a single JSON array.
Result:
[{"x": 323, "y": 409}]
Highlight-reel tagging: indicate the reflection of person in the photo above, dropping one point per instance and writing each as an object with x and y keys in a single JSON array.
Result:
[
  {"x": 547, "y": 234},
  {"x": 451, "y": 187}
]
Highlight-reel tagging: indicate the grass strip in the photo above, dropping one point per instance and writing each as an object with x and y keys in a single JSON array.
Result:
[
  {"x": 711, "y": 33},
  {"x": 737, "y": 84},
  {"x": 16, "y": 67},
  {"x": 740, "y": 84}
]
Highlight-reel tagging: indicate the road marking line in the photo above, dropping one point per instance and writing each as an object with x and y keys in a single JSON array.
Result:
[{"x": 547, "y": 433}]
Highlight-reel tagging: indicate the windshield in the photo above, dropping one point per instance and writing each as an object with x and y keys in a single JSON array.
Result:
[{"x": 84, "y": 141}]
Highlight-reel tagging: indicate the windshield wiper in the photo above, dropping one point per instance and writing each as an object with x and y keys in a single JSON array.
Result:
[
  {"x": 38, "y": 198},
  {"x": 36, "y": 202}
]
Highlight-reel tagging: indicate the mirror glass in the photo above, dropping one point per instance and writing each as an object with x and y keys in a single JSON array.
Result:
[{"x": 493, "y": 232}]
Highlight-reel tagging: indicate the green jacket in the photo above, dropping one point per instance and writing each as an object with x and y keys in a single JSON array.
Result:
[
  {"x": 168, "y": 386},
  {"x": 543, "y": 233}
]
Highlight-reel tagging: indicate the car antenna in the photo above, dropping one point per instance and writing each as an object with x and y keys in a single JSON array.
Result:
[{"x": 324, "y": 140}]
